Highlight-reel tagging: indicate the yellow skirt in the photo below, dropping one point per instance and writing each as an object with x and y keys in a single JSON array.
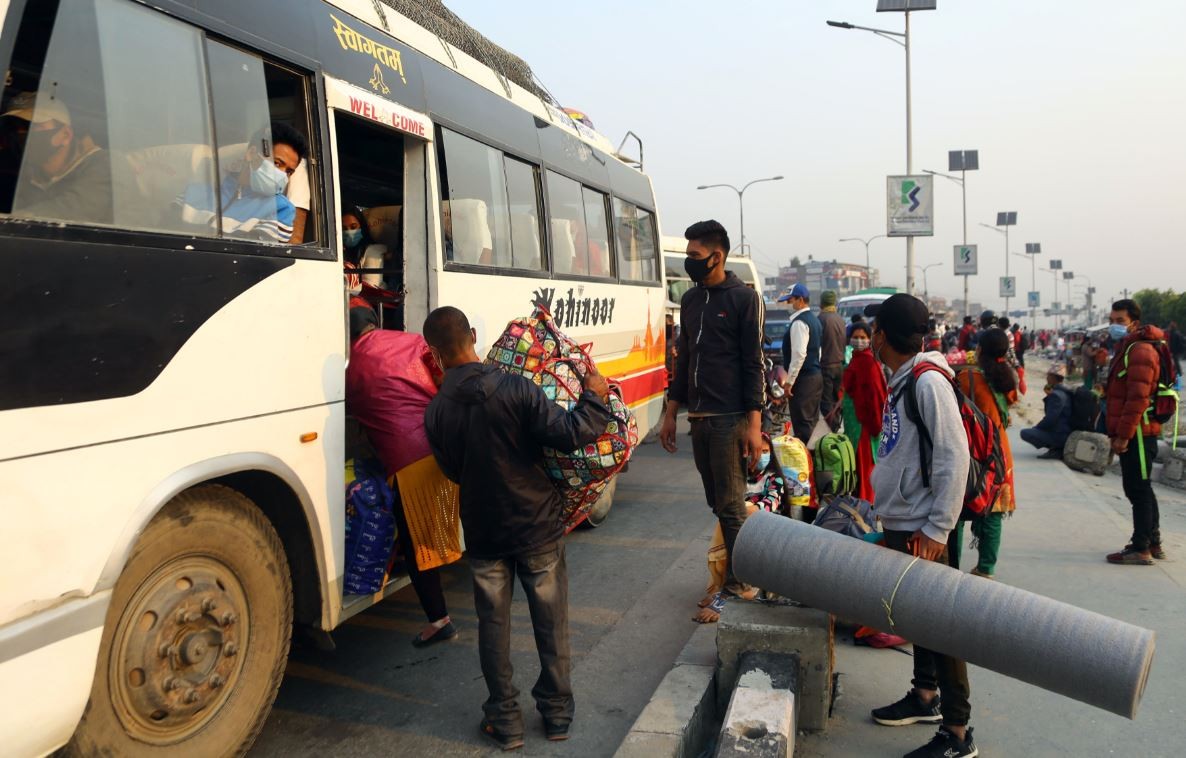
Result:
[{"x": 431, "y": 508}]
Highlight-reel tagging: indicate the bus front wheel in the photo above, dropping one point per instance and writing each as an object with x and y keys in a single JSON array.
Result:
[{"x": 196, "y": 638}]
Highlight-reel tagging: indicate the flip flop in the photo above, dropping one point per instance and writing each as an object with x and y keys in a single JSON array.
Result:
[{"x": 712, "y": 609}]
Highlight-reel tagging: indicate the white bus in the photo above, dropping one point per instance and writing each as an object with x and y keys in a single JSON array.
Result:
[
  {"x": 678, "y": 281},
  {"x": 172, "y": 377}
]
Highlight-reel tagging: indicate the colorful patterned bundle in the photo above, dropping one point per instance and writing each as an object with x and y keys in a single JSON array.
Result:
[{"x": 534, "y": 348}]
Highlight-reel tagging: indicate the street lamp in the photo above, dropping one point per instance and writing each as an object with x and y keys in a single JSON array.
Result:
[
  {"x": 926, "y": 290},
  {"x": 868, "y": 268},
  {"x": 741, "y": 201},
  {"x": 1005, "y": 219},
  {"x": 962, "y": 161},
  {"x": 899, "y": 38}
]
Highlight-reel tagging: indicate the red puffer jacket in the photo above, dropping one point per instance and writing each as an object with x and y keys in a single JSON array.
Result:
[{"x": 1128, "y": 396}]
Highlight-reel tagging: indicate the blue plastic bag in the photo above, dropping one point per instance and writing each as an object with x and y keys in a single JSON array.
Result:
[{"x": 370, "y": 528}]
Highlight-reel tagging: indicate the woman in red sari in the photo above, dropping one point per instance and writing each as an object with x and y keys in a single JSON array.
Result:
[{"x": 864, "y": 393}]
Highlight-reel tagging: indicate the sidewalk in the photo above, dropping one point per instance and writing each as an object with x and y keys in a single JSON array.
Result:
[{"x": 1053, "y": 545}]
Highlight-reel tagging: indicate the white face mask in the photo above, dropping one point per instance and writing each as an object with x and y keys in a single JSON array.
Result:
[
  {"x": 268, "y": 180},
  {"x": 860, "y": 343}
]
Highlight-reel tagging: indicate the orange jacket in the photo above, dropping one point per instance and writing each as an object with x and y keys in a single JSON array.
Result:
[{"x": 1128, "y": 396}]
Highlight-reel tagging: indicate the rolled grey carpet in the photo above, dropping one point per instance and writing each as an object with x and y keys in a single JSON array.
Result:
[{"x": 1086, "y": 656}]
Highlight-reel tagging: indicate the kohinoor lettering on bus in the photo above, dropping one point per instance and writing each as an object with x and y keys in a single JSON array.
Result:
[{"x": 571, "y": 310}]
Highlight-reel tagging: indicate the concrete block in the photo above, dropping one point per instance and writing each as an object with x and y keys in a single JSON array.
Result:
[
  {"x": 759, "y": 627},
  {"x": 676, "y": 722},
  {"x": 1173, "y": 471},
  {"x": 760, "y": 722}
]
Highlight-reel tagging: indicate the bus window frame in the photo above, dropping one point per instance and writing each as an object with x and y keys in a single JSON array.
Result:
[
  {"x": 545, "y": 272},
  {"x": 610, "y": 243},
  {"x": 658, "y": 281},
  {"x": 75, "y": 232}
]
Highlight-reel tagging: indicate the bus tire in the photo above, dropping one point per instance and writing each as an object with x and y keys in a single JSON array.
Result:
[
  {"x": 600, "y": 510},
  {"x": 186, "y": 665}
]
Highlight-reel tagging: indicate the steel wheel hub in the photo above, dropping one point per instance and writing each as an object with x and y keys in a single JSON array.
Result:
[{"x": 176, "y": 649}]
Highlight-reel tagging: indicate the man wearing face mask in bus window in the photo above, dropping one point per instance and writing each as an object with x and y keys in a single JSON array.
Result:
[
  {"x": 64, "y": 174},
  {"x": 252, "y": 193}
]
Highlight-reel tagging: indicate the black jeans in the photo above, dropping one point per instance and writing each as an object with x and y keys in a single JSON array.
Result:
[
  {"x": 805, "y": 402},
  {"x": 1041, "y": 438},
  {"x": 426, "y": 583},
  {"x": 935, "y": 671},
  {"x": 544, "y": 576},
  {"x": 717, "y": 449},
  {"x": 830, "y": 396},
  {"x": 1146, "y": 518}
]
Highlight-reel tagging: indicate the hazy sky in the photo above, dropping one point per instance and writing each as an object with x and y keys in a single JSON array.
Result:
[{"x": 1078, "y": 110}]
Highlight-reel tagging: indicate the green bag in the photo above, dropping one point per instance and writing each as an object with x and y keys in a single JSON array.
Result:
[{"x": 835, "y": 465}]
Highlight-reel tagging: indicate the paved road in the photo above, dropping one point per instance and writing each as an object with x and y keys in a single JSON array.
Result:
[{"x": 633, "y": 587}]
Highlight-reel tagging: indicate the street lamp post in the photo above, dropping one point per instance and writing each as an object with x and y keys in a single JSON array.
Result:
[
  {"x": 1055, "y": 269},
  {"x": 899, "y": 38},
  {"x": 926, "y": 289},
  {"x": 868, "y": 268},
  {"x": 962, "y": 161},
  {"x": 741, "y": 202},
  {"x": 1005, "y": 219}
]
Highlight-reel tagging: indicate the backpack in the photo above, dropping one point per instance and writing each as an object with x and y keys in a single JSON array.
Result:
[
  {"x": 1163, "y": 406},
  {"x": 846, "y": 515},
  {"x": 796, "y": 469},
  {"x": 835, "y": 465},
  {"x": 986, "y": 469},
  {"x": 1085, "y": 409}
]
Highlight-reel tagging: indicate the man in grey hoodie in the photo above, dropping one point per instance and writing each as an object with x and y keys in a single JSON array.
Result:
[{"x": 918, "y": 517}]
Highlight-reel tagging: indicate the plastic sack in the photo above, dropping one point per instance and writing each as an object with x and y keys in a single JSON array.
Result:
[
  {"x": 796, "y": 464},
  {"x": 534, "y": 348},
  {"x": 370, "y": 527}
]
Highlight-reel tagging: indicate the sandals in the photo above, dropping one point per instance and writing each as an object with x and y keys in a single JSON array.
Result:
[
  {"x": 711, "y": 613},
  {"x": 504, "y": 741},
  {"x": 445, "y": 633}
]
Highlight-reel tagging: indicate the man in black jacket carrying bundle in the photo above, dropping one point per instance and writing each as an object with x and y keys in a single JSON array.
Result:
[
  {"x": 719, "y": 378},
  {"x": 486, "y": 429}
]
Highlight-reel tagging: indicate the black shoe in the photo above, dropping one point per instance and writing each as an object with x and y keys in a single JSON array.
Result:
[
  {"x": 1051, "y": 454},
  {"x": 909, "y": 710},
  {"x": 555, "y": 732},
  {"x": 504, "y": 741},
  {"x": 444, "y": 634},
  {"x": 946, "y": 745}
]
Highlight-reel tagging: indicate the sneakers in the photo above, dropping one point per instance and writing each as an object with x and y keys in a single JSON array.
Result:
[
  {"x": 909, "y": 710},
  {"x": 1155, "y": 550},
  {"x": 982, "y": 574},
  {"x": 1131, "y": 557},
  {"x": 946, "y": 745}
]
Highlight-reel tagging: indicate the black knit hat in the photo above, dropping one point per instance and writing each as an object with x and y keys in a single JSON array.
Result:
[{"x": 901, "y": 315}]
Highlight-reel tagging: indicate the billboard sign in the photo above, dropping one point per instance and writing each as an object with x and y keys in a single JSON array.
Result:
[
  {"x": 965, "y": 260},
  {"x": 910, "y": 206},
  {"x": 1008, "y": 286}
]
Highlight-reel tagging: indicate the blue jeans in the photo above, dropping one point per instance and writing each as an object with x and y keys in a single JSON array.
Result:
[{"x": 544, "y": 576}]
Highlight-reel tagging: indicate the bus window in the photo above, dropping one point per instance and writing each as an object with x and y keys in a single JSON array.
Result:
[
  {"x": 636, "y": 242},
  {"x": 580, "y": 230},
  {"x": 597, "y": 232},
  {"x": 491, "y": 202},
  {"x": 94, "y": 133},
  {"x": 258, "y": 153}
]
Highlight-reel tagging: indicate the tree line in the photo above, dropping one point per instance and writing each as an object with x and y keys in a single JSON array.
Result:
[{"x": 1162, "y": 306}]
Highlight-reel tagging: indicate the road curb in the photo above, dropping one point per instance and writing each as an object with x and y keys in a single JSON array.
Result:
[{"x": 680, "y": 716}]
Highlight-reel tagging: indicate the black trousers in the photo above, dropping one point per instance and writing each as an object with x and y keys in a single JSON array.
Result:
[
  {"x": 830, "y": 396},
  {"x": 1146, "y": 517},
  {"x": 544, "y": 577},
  {"x": 426, "y": 583},
  {"x": 717, "y": 450},
  {"x": 805, "y": 403},
  {"x": 935, "y": 671}
]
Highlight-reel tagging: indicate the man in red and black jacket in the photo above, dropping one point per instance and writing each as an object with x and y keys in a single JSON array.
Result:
[
  {"x": 719, "y": 378},
  {"x": 1132, "y": 382}
]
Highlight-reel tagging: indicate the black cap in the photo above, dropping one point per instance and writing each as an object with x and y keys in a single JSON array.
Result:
[
  {"x": 988, "y": 314},
  {"x": 901, "y": 314}
]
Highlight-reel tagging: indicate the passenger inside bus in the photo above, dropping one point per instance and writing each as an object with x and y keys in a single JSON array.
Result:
[
  {"x": 251, "y": 194},
  {"x": 360, "y": 251},
  {"x": 65, "y": 175},
  {"x": 372, "y": 174}
]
